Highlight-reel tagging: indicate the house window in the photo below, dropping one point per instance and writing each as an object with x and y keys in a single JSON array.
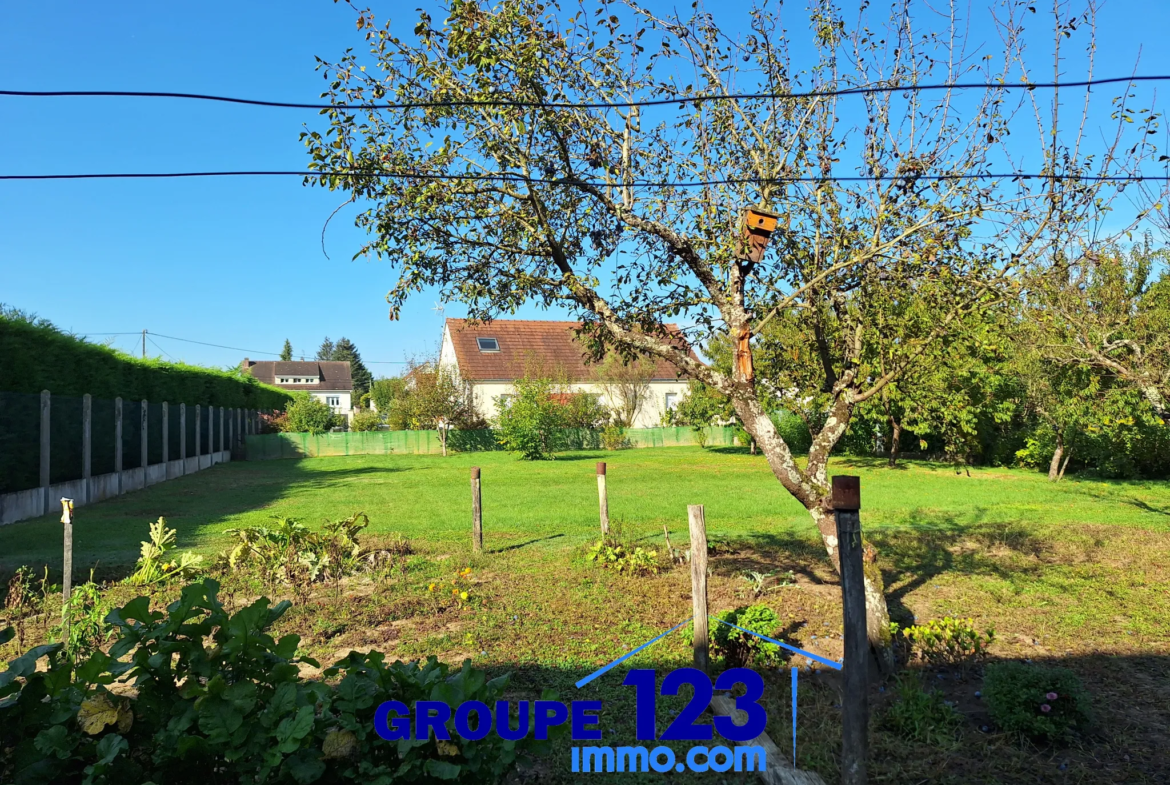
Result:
[
  {"x": 488, "y": 344},
  {"x": 284, "y": 381},
  {"x": 333, "y": 400},
  {"x": 671, "y": 401}
]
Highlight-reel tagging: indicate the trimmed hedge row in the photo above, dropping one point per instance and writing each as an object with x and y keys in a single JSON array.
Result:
[{"x": 35, "y": 358}]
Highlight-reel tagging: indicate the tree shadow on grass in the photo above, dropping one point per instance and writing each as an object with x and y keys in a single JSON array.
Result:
[
  {"x": 108, "y": 533},
  {"x": 519, "y": 545},
  {"x": 1145, "y": 507}
]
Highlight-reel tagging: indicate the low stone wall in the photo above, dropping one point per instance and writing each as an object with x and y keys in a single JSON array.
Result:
[{"x": 35, "y": 502}]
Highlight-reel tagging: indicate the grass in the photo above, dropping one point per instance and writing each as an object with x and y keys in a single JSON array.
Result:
[{"x": 1074, "y": 573}]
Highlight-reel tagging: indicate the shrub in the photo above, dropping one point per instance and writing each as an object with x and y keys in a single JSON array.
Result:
[
  {"x": 365, "y": 420},
  {"x": 700, "y": 435},
  {"x": 83, "y": 625},
  {"x": 738, "y": 648},
  {"x": 528, "y": 422},
  {"x": 154, "y": 566},
  {"x": 613, "y": 437},
  {"x": 920, "y": 714},
  {"x": 292, "y": 553},
  {"x": 793, "y": 430},
  {"x": 615, "y": 556},
  {"x": 306, "y": 414},
  {"x": 947, "y": 641},
  {"x": 1036, "y": 701},
  {"x": 218, "y": 699}
]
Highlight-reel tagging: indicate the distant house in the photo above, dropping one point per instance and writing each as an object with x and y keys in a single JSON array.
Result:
[
  {"x": 490, "y": 357},
  {"x": 326, "y": 380}
]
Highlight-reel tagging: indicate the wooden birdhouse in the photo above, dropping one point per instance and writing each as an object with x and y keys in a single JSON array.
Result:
[{"x": 756, "y": 229}]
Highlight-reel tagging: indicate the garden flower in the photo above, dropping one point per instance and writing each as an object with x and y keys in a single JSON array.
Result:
[
  {"x": 1044, "y": 707},
  {"x": 1052, "y": 696}
]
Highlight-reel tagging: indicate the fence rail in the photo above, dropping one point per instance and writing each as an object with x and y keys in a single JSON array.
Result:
[
  {"x": 274, "y": 446},
  {"x": 88, "y": 449}
]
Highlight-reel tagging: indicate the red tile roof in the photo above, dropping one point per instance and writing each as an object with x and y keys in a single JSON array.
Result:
[{"x": 522, "y": 341}]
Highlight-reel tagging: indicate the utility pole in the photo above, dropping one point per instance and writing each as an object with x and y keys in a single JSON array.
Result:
[{"x": 144, "y": 344}]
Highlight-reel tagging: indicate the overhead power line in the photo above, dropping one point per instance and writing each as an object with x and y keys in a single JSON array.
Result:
[
  {"x": 519, "y": 178},
  {"x": 686, "y": 99},
  {"x": 235, "y": 348}
]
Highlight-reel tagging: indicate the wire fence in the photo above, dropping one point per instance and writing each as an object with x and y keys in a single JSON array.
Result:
[{"x": 122, "y": 435}]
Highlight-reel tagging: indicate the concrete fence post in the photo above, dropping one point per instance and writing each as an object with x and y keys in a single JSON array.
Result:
[
  {"x": 87, "y": 446},
  {"x": 144, "y": 440},
  {"x": 46, "y": 506},
  {"x": 118, "y": 441},
  {"x": 211, "y": 432},
  {"x": 166, "y": 432},
  {"x": 198, "y": 434},
  {"x": 222, "y": 443},
  {"x": 182, "y": 438}
]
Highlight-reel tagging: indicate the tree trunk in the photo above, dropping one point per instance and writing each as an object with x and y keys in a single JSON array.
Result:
[
  {"x": 877, "y": 613},
  {"x": 1054, "y": 467},
  {"x": 895, "y": 441},
  {"x": 1063, "y": 466},
  {"x": 811, "y": 490}
]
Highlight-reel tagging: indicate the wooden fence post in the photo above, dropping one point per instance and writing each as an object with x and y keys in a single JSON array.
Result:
[
  {"x": 46, "y": 506},
  {"x": 854, "y": 699},
  {"x": 602, "y": 498},
  {"x": 118, "y": 441},
  {"x": 182, "y": 438},
  {"x": 144, "y": 441},
  {"x": 67, "y": 555},
  {"x": 698, "y": 526},
  {"x": 87, "y": 445},
  {"x": 166, "y": 434},
  {"x": 476, "y": 513}
]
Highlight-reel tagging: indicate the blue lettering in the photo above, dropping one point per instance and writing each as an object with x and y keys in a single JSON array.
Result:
[
  {"x": 483, "y": 726},
  {"x": 504, "y": 725},
  {"x": 425, "y": 721},
  {"x": 581, "y": 720},
  {"x": 546, "y": 720},
  {"x": 399, "y": 727}
]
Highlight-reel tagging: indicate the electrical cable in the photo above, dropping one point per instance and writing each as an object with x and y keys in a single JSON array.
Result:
[
  {"x": 596, "y": 184},
  {"x": 695, "y": 99}
]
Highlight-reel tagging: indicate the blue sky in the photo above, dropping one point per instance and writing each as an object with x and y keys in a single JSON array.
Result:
[{"x": 236, "y": 261}]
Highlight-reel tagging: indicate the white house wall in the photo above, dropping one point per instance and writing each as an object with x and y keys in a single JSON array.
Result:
[
  {"x": 345, "y": 404},
  {"x": 649, "y": 416}
]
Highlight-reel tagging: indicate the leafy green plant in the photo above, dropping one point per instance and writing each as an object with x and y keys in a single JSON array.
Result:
[
  {"x": 947, "y": 641},
  {"x": 699, "y": 434},
  {"x": 738, "y": 648},
  {"x": 306, "y": 414},
  {"x": 529, "y": 421},
  {"x": 293, "y": 553},
  {"x": 155, "y": 566},
  {"x": 458, "y": 592},
  {"x": 920, "y": 714},
  {"x": 615, "y": 556},
  {"x": 613, "y": 437},
  {"x": 83, "y": 626},
  {"x": 365, "y": 420},
  {"x": 1036, "y": 701},
  {"x": 219, "y": 699}
]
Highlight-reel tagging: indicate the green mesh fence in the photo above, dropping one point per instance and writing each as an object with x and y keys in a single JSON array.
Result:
[
  {"x": 20, "y": 441},
  {"x": 65, "y": 428},
  {"x": 306, "y": 445}
]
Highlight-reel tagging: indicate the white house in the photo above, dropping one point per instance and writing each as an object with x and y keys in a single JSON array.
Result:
[
  {"x": 490, "y": 357},
  {"x": 326, "y": 380}
]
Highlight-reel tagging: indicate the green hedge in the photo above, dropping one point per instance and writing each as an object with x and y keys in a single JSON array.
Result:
[{"x": 35, "y": 358}]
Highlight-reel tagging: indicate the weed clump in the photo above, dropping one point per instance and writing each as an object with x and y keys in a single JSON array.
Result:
[{"x": 1036, "y": 701}]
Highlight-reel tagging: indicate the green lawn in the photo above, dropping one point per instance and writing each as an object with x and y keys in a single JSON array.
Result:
[
  {"x": 1074, "y": 573},
  {"x": 428, "y": 497}
]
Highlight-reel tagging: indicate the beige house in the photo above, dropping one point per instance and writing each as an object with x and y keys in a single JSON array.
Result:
[{"x": 490, "y": 357}]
